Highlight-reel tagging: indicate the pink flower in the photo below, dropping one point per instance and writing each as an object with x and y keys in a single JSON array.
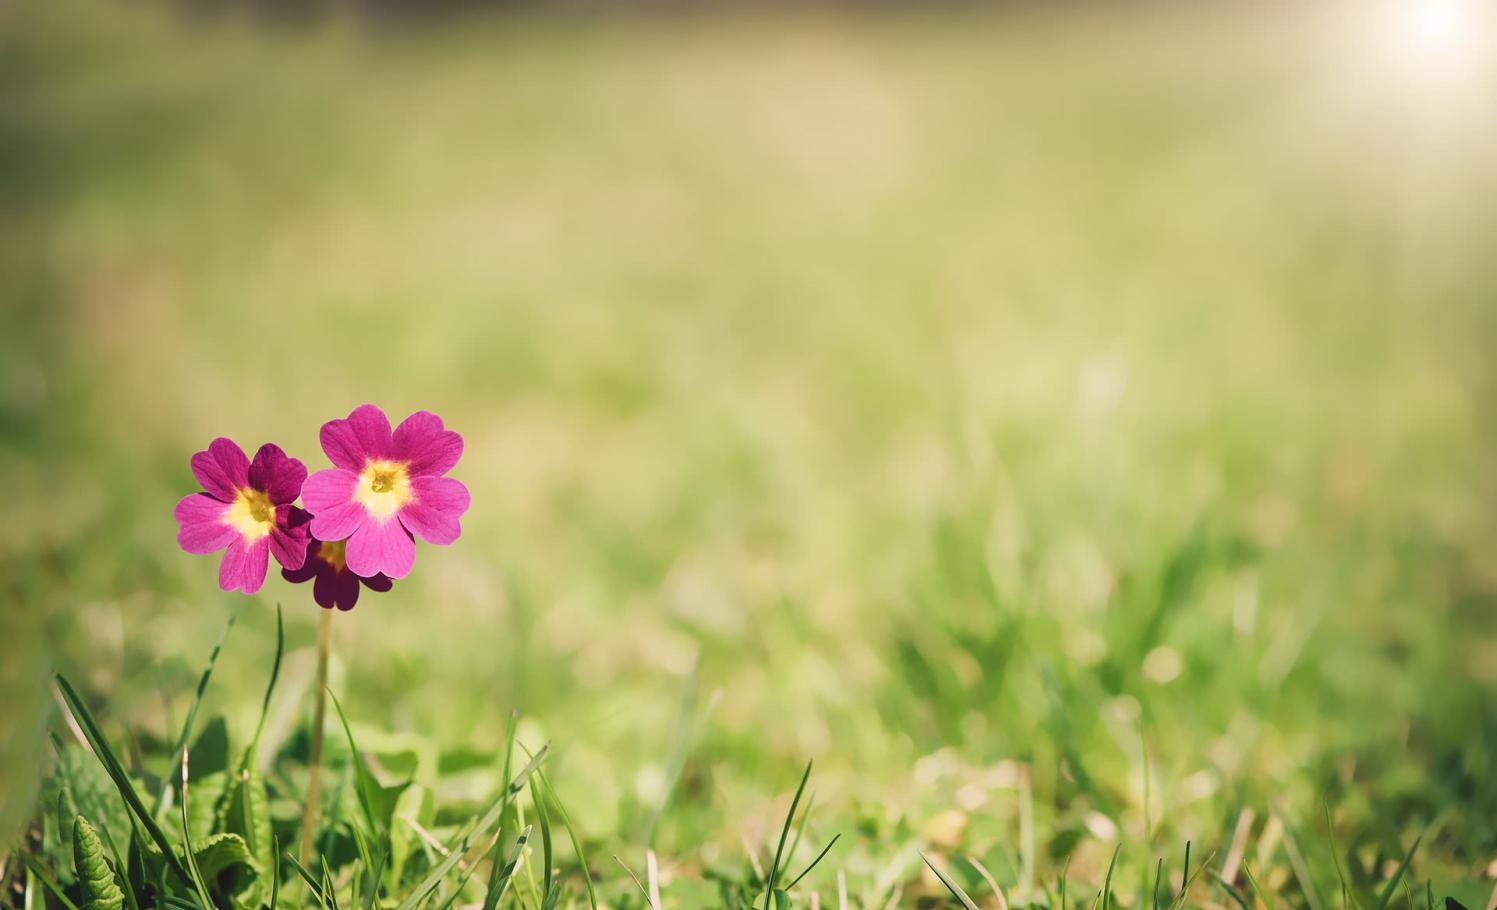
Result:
[
  {"x": 247, "y": 508},
  {"x": 385, "y": 487},
  {"x": 334, "y": 584}
]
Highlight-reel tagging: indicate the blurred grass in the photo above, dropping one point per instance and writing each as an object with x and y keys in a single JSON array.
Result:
[{"x": 956, "y": 398}]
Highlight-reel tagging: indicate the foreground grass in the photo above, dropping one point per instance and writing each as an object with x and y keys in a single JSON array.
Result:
[{"x": 1068, "y": 431}]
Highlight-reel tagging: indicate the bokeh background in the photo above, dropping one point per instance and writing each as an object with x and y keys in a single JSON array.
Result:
[{"x": 990, "y": 403}]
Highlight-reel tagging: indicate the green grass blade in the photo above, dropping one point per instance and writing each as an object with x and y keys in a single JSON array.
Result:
[
  {"x": 774, "y": 870},
  {"x": 1107, "y": 882},
  {"x": 500, "y": 882},
  {"x": 192, "y": 713},
  {"x": 47, "y": 882},
  {"x": 1403, "y": 867},
  {"x": 275, "y": 873},
  {"x": 307, "y": 877},
  {"x": 121, "y": 780},
  {"x": 436, "y": 875},
  {"x": 192, "y": 861},
  {"x": 363, "y": 780},
  {"x": 824, "y": 851},
  {"x": 951, "y": 885},
  {"x": 1233, "y": 893},
  {"x": 545, "y": 822},
  {"x": 566, "y": 821}
]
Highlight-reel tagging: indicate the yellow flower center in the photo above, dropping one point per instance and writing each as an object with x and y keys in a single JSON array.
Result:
[
  {"x": 251, "y": 514},
  {"x": 331, "y": 552},
  {"x": 383, "y": 487}
]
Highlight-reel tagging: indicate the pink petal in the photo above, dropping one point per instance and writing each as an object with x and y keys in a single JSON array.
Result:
[
  {"x": 278, "y": 475},
  {"x": 244, "y": 565},
  {"x": 425, "y": 446},
  {"x": 222, "y": 470},
  {"x": 381, "y": 548},
  {"x": 288, "y": 542},
  {"x": 364, "y": 435},
  {"x": 336, "y": 589},
  {"x": 201, "y": 528},
  {"x": 326, "y": 490},
  {"x": 378, "y": 583},
  {"x": 434, "y": 512},
  {"x": 340, "y": 522}
]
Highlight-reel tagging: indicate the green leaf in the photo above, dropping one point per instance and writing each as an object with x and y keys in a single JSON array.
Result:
[
  {"x": 92, "y": 794},
  {"x": 95, "y": 877},
  {"x": 247, "y": 812},
  {"x": 226, "y": 854}
]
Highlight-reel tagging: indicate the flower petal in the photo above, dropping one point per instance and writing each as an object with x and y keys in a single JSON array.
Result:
[
  {"x": 222, "y": 469},
  {"x": 201, "y": 528},
  {"x": 340, "y": 523},
  {"x": 276, "y": 474},
  {"x": 381, "y": 548},
  {"x": 244, "y": 565},
  {"x": 326, "y": 490},
  {"x": 364, "y": 435},
  {"x": 288, "y": 542},
  {"x": 425, "y": 446},
  {"x": 379, "y": 583},
  {"x": 434, "y": 512}
]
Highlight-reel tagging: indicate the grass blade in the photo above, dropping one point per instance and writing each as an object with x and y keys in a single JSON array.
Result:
[
  {"x": 500, "y": 883},
  {"x": 1403, "y": 867},
  {"x": 121, "y": 780},
  {"x": 952, "y": 886},
  {"x": 774, "y": 870},
  {"x": 824, "y": 851},
  {"x": 436, "y": 875},
  {"x": 192, "y": 713},
  {"x": 47, "y": 882},
  {"x": 566, "y": 821}
]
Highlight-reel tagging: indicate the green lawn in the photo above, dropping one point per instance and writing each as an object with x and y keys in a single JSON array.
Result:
[{"x": 1068, "y": 429}]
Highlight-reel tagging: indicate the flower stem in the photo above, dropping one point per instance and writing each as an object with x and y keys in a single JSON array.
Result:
[{"x": 312, "y": 810}]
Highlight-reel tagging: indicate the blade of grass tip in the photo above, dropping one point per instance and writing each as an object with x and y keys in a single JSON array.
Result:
[
  {"x": 35, "y": 869},
  {"x": 504, "y": 872},
  {"x": 1336, "y": 855},
  {"x": 539, "y": 796},
  {"x": 1429, "y": 894},
  {"x": 953, "y": 887},
  {"x": 111, "y": 763},
  {"x": 642, "y": 889},
  {"x": 192, "y": 861},
  {"x": 275, "y": 872},
  {"x": 192, "y": 713},
  {"x": 1300, "y": 868},
  {"x": 1387, "y": 895},
  {"x": 1107, "y": 882},
  {"x": 1065, "y": 870},
  {"x": 275, "y": 674},
  {"x": 1158, "y": 874},
  {"x": 440, "y": 871},
  {"x": 1257, "y": 889},
  {"x": 1233, "y": 893},
  {"x": 328, "y": 887},
  {"x": 774, "y": 870},
  {"x": 819, "y": 857},
  {"x": 363, "y": 780},
  {"x": 566, "y": 821},
  {"x": 306, "y": 876},
  {"x": 800, "y": 829},
  {"x": 1191, "y": 878}
]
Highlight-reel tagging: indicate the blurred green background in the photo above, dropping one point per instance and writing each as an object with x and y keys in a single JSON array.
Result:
[{"x": 965, "y": 398}]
